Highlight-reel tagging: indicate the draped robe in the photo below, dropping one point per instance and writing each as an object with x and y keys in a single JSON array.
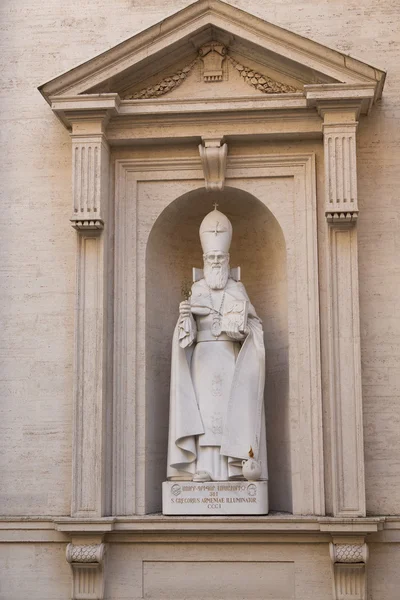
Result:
[{"x": 217, "y": 392}]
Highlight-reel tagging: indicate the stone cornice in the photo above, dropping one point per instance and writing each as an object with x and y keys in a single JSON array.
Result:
[
  {"x": 269, "y": 529},
  {"x": 356, "y": 97},
  {"x": 332, "y": 95},
  {"x": 85, "y": 107},
  {"x": 272, "y": 523}
]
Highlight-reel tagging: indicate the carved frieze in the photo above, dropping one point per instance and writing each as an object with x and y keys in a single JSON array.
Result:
[
  {"x": 164, "y": 86},
  {"x": 260, "y": 82},
  {"x": 212, "y": 57}
]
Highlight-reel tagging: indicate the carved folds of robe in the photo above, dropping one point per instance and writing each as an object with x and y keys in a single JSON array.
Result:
[{"x": 217, "y": 392}]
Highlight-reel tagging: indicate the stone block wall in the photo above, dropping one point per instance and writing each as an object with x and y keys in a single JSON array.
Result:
[{"x": 37, "y": 282}]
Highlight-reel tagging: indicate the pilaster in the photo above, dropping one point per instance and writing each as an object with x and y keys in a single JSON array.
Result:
[
  {"x": 341, "y": 210},
  {"x": 90, "y": 162}
]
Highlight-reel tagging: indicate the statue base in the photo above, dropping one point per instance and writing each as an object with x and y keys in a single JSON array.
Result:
[{"x": 215, "y": 498}]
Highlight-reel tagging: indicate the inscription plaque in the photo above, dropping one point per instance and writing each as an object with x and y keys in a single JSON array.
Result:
[{"x": 215, "y": 498}]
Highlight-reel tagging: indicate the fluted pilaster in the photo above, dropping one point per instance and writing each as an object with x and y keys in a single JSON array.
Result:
[{"x": 341, "y": 209}]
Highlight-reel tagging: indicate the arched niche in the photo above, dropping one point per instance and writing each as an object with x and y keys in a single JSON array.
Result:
[
  {"x": 159, "y": 204},
  {"x": 258, "y": 246}
]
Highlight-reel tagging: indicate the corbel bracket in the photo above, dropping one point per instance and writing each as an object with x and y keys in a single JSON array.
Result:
[
  {"x": 349, "y": 563},
  {"x": 213, "y": 155},
  {"x": 87, "y": 564}
]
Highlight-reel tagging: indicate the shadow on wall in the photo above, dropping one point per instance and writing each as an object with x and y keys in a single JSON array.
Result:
[{"x": 258, "y": 246}]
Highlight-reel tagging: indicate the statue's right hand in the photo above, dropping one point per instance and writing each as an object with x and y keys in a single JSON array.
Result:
[{"x": 184, "y": 309}]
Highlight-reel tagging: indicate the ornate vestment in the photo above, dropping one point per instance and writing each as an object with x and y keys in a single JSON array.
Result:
[{"x": 217, "y": 392}]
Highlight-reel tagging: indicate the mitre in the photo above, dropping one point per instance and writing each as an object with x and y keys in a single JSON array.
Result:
[{"x": 215, "y": 232}]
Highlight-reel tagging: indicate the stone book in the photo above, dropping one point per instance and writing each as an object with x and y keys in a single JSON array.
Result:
[{"x": 235, "y": 314}]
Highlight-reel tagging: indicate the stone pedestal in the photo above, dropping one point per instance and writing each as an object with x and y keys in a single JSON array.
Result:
[{"x": 215, "y": 498}]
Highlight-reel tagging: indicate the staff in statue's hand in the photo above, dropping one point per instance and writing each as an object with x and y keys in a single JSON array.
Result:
[
  {"x": 186, "y": 327},
  {"x": 184, "y": 306}
]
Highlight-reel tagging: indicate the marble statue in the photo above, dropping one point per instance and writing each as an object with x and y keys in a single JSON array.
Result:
[{"x": 218, "y": 371}]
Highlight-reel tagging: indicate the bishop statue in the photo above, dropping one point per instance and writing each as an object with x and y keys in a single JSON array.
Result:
[{"x": 217, "y": 371}]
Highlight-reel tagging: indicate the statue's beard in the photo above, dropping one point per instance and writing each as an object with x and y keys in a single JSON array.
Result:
[{"x": 216, "y": 276}]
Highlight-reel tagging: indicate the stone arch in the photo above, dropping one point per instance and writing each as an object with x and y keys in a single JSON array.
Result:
[{"x": 258, "y": 246}]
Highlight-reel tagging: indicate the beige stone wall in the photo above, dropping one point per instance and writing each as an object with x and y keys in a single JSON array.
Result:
[
  {"x": 294, "y": 569},
  {"x": 35, "y": 571},
  {"x": 40, "y": 40},
  {"x": 268, "y": 571},
  {"x": 37, "y": 293}
]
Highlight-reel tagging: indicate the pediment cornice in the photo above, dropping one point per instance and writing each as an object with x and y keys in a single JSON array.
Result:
[{"x": 292, "y": 61}]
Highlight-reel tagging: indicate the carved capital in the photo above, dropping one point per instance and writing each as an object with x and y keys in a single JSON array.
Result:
[
  {"x": 87, "y": 564},
  {"x": 90, "y": 166},
  {"x": 349, "y": 570},
  {"x": 341, "y": 206},
  {"x": 213, "y": 155}
]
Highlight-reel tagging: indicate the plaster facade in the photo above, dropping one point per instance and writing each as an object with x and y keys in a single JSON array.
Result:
[{"x": 282, "y": 556}]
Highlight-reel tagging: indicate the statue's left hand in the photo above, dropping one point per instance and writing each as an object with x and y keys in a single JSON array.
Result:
[{"x": 235, "y": 334}]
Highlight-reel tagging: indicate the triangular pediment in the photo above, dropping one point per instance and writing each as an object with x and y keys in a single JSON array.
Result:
[
  {"x": 166, "y": 59},
  {"x": 214, "y": 70}
]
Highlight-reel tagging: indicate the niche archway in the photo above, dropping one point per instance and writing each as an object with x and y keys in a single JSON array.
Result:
[{"x": 258, "y": 246}]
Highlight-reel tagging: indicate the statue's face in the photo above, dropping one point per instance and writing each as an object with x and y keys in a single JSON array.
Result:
[
  {"x": 216, "y": 269},
  {"x": 216, "y": 259}
]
